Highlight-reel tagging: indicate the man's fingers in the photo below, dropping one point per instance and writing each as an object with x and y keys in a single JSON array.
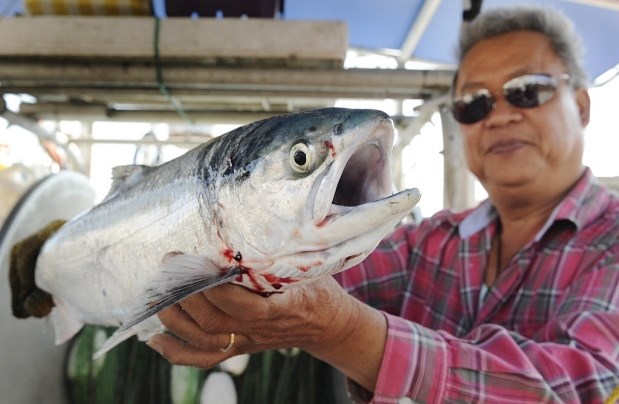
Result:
[
  {"x": 179, "y": 353},
  {"x": 186, "y": 329},
  {"x": 238, "y": 302},
  {"x": 203, "y": 312}
]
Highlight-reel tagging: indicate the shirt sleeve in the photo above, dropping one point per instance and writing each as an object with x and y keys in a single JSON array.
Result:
[{"x": 574, "y": 358}]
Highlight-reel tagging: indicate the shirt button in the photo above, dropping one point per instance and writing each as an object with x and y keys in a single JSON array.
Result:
[{"x": 405, "y": 400}]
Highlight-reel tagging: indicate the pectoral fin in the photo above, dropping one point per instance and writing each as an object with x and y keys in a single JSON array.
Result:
[{"x": 181, "y": 276}]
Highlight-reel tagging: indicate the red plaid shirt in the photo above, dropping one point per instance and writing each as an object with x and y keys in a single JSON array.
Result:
[{"x": 547, "y": 330}]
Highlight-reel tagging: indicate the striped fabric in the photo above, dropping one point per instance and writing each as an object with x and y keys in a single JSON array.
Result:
[{"x": 547, "y": 330}]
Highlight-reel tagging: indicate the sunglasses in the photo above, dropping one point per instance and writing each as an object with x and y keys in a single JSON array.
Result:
[{"x": 528, "y": 91}]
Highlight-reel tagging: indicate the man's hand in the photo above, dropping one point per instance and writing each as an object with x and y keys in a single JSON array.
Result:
[
  {"x": 320, "y": 318},
  {"x": 300, "y": 317}
]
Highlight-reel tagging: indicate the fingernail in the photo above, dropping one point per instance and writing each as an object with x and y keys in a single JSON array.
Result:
[{"x": 154, "y": 345}]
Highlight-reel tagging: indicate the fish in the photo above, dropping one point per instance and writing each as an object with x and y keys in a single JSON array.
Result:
[{"x": 270, "y": 205}]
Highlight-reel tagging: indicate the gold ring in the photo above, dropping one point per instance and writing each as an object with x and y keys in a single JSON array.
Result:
[{"x": 230, "y": 343}]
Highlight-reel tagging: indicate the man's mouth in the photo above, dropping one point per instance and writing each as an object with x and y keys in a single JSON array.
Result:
[{"x": 505, "y": 146}]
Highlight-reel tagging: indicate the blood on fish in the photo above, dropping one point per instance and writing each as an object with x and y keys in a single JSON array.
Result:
[
  {"x": 229, "y": 254},
  {"x": 330, "y": 146},
  {"x": 256, "y": 287},
  {"x": 324, "y": 222},
  {"x": 272, "y": 279},
  {"x": 305, "y": 268},
  {"x": 232, "y": 255}
]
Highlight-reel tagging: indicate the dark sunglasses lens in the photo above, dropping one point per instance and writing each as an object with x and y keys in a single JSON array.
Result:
[
  {"x": 529, "y": 95},
  {"x": 472, "y": 109}
]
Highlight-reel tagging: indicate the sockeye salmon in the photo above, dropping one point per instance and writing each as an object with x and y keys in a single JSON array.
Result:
[{"x": 270, "y": 205}]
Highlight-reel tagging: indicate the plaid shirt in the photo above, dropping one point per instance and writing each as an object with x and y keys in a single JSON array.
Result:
[{"x": 546, "y": 331}]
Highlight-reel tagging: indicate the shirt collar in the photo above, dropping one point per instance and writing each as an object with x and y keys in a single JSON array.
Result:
[
  {"x": 478, "y": 219},
  {"x": 586, "y": 200}
]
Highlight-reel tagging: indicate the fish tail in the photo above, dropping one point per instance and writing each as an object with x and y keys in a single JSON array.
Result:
[{"x": 66, "y": 323}]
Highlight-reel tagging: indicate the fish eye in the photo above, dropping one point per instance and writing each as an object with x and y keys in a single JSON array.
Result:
[{"x": 300, "y": 158}]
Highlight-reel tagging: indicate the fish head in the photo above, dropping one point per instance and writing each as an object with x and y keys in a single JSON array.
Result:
[{"x": 318, "y": 196}]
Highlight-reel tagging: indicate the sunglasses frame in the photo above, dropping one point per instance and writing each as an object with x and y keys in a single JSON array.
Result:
[{"x": 513, "y": 90}]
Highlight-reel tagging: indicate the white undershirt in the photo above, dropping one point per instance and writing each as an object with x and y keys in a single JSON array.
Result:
[{"x": 482, "y": 293}]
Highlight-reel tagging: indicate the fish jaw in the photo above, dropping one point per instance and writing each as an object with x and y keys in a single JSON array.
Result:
[
  {"x": 346, "y": 237},
  {"x": 344, "y": 223}
]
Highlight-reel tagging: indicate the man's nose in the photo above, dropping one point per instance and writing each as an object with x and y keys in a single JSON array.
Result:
[{"x": 503, "y": 113}]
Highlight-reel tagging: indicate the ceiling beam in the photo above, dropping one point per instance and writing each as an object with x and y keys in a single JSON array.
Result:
[
  {"x": 202, "y": 40},
  {"x": 424, "y": 17},
  {"x": 609, "y": 4},
  {"x": 139, "y": 79}
]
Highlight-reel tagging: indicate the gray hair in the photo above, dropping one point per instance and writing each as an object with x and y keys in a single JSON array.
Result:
[{"x": 547, "y": 21}]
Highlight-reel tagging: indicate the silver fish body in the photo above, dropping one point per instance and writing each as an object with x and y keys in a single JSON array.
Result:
[{"x": 270, "y": 205}]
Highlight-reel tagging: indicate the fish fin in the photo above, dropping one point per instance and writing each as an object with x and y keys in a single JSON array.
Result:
[
  {"x": 66, "y": 323},
  {"x": 125, "y": 175},
  {"x": 181, "y": 276},
  {"x": 112, "y": 341}
]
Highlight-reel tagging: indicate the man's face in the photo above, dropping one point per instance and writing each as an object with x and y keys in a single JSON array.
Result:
[{"x": 515, "y": 147}]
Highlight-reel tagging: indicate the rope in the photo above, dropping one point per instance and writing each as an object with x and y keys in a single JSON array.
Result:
[
  {"x": 178, "y": 106},
  {"x": 614, "y": 396}
]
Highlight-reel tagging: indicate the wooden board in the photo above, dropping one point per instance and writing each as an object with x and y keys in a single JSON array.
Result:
[{"x": 179, "y": 39}]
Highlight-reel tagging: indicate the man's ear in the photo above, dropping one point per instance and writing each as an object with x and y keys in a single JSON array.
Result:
[{"x": 584, "y": 105}]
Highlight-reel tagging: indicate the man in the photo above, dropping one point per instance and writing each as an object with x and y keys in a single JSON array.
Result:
[{"x": 513, "y": 301}]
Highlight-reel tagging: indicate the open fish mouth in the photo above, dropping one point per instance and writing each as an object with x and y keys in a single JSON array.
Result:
[
  {"x": 361, "y": 181},
  {"x": 358, "y": 175}
]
